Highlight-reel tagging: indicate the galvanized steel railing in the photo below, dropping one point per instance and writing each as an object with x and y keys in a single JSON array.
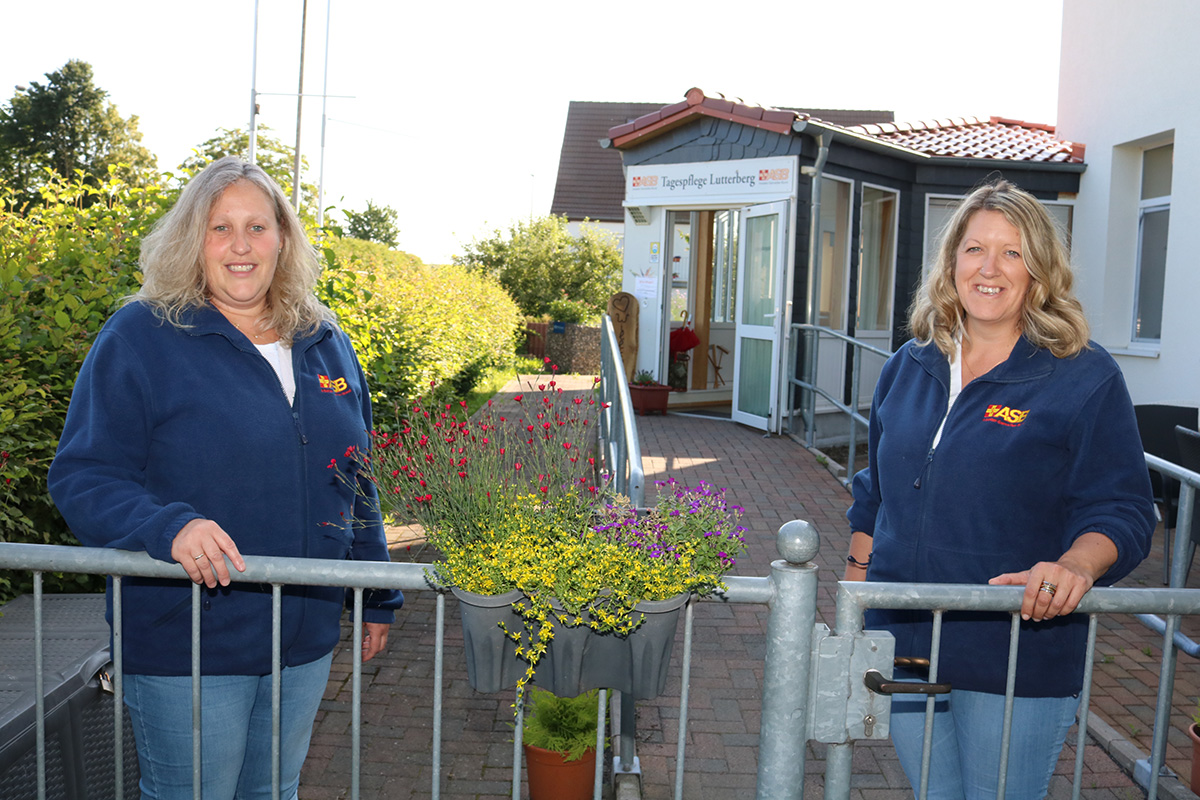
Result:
[
  {"x": 279, "y": 572},
  {"x": 808, "y": 382},
  {"x": 791, "y": 655},
  {"x": 622, "y": 452}
]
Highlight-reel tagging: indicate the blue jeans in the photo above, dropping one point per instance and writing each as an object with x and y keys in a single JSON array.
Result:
[
  {"x": 235, "y": 745},
  {"x": 965, "y": 751}
]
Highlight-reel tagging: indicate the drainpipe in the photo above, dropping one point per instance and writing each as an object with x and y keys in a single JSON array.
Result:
[{"x": 823, "y": 139}]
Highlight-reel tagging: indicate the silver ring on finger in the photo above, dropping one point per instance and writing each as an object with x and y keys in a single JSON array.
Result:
[
  {"x": 202, "y": 555},
  {"x": 1048, "y": 587}
]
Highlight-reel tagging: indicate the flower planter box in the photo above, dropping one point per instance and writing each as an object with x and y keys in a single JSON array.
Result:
[
  {"x": 578, "y": 658},
  {"x": 648, "y": 398}
]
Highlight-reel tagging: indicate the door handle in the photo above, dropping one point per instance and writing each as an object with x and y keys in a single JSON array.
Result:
[{"x": 875, "y": 681}]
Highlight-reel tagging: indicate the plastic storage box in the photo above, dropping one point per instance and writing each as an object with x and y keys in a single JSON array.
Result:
[{"x": 79, "y": 713}]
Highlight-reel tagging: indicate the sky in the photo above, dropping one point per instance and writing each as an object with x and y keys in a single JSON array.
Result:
[{"x": 452, "y": 113}]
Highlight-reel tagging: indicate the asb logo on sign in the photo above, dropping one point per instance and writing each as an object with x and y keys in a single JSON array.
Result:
[
  {"x": 334, "y": 385},
  {"x": 644, "y": 181},
  {"x": 773, "y": 174},
  {"x": 1005, "y": 415}
]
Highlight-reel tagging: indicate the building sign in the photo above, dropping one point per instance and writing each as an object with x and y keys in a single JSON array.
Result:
[{"x": 744, "y": 179}]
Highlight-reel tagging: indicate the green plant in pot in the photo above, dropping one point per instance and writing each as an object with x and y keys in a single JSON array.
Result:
[
  {"x": 648, "y": 394},
  {"x": 643, "y": 378},
  {"x": 559, "y": 738},
  {"x": 1193, "y": 732}
]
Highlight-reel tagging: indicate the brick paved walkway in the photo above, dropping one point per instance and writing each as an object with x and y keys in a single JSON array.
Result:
[{"x": 775, "y": 480}]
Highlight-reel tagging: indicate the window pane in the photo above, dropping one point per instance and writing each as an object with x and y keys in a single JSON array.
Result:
[
  {"x": 724, "y": 277},
  {"x": 681, "y": 263},
  {"x": 835, "y": 247},
  {"x": 877, "y": 249},
  {"x": 1156, "y": 171},
  {"x": 758, "y": 306},
  {"x": 754, "y": 377},
  {"x": 1152, "y": 270},
  {"x": 941, "y": 209}
]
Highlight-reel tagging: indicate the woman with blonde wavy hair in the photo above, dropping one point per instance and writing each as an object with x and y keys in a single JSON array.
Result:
[
  {"x": 200, "y": 430},
  {"x": 1002, "y": 450}
]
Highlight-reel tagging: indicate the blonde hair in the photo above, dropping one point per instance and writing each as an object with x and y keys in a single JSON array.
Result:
[
  {"x": 1051, "y": 316},
  {"x": 172, "y": 257}
]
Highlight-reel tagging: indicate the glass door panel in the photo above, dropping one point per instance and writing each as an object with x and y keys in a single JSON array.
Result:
[{"x": 762, "y": 250}]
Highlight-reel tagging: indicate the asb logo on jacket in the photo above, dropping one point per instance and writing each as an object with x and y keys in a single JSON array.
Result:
[
  {"x": 335, "y": 385},
  {"x": 1005, "y": 415}
]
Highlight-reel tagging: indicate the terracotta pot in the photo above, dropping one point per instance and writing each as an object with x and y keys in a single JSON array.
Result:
[
  {"x": 551, "y": 778},
  {"x": 646, "y": 399},
  {"x": 1194, "y": 733}
]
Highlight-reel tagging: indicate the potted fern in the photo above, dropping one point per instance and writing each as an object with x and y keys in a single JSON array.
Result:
[{"x": 559, "y": 738}]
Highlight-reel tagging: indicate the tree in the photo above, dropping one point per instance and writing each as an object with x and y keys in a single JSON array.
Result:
[
  {"x": 68, "y": 125},
  {"x": 376, "y": 224},
  {"x": 275, "y": 157},
  {"x": 547, "y": 270}
]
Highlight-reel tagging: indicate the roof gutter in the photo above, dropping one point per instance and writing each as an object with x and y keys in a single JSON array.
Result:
[{"x": 823, "y": 139}]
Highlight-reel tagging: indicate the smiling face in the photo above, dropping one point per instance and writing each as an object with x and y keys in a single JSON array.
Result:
[
  {"x": 241, "y": 247},
  {"x": 990, "y": 274}
]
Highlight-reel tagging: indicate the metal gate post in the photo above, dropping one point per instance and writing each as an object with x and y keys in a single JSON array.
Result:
[{"x": 793, "y": 615}]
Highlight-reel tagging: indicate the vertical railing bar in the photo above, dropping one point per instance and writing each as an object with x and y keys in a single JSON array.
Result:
[
  {"x": 684, "y": 691},
  {"x": 197, "y": 779},
  {"x": 812, "y": 393},
  {"x": 356, "y": 696},
  {"x": 1166, "y": 687},
  {"x": 438, "y": 647},
  {"x": 276, "y": 685},
  {"x": 39, "y": 686},
  {"x": 1085, "y": 701},
  {"x": 855, "y": 378},
  {"x": 518, "y": 733},
  {"x": 935, "y": 652},
  {"x": 1010, "y": 687},
  {"x": 598, "y": 778},
  {"x": 791, "y": 376},
  {"x": 118, "y": 691}
]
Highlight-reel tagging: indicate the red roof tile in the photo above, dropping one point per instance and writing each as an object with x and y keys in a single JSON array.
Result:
[
  {"x": 970, "y": 137},
  {"x": 956, "y": 137}
]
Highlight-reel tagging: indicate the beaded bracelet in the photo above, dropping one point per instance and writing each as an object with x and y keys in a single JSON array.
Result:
[{"x": 860, "y": 564}]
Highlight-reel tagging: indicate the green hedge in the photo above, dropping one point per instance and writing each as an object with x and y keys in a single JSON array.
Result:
[
  {"x": 413, "y": 324},
  {"x": 66, "y": 264}
]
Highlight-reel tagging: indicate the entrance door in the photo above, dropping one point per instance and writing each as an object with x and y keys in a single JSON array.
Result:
[{"x": 762, "y": 254}]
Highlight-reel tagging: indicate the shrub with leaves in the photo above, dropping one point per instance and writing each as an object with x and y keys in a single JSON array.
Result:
[
  {"x": 64, "y": 266},
  {"x": 413, "y": 324}
]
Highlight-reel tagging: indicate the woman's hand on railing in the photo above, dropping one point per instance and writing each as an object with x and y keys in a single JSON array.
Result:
[
  {"x": 374, "y": 640},
  {"x": 201, "y": 547}
]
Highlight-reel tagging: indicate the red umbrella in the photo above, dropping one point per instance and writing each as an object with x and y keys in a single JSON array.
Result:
[{"x": 683, "y": 338}]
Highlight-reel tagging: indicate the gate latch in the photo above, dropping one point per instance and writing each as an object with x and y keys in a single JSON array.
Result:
[{"x": 842, "y": 706}]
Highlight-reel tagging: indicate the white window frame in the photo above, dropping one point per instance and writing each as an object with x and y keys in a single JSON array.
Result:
[{"x": 1148, "y": 206}]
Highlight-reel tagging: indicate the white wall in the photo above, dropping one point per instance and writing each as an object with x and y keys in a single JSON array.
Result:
[
  {"x": 639, "y": 262},
  {"x": 1129, "y": 78}
]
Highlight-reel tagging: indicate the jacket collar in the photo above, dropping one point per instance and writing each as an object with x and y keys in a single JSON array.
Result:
[
  {"x": 1025, "y": 363},
  {"x": 206, "y": 320}
]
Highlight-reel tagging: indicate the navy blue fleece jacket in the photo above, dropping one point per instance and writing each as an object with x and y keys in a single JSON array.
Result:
[
  {"x": 1034, "y": 454},
  {"x": 170, "y": 424}
]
